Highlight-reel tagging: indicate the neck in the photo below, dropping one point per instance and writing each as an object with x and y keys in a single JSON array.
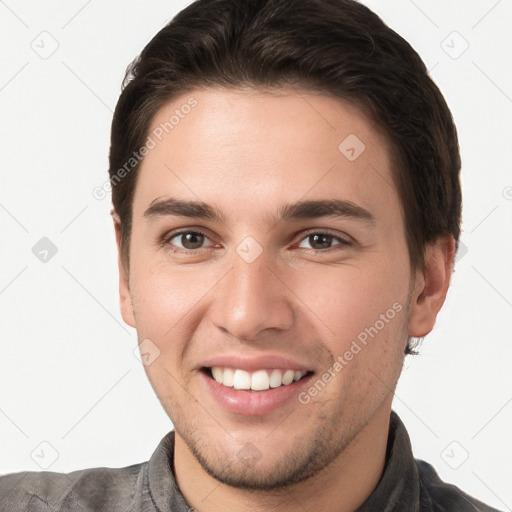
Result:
[{"x": 343, "y": 485}]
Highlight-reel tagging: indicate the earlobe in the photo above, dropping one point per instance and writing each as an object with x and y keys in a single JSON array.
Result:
[
  {"x": 125, "y": 297},
  {"x": 431, "y": 286}
]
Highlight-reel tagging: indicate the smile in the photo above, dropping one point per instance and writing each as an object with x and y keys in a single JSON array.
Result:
[{"x": 259, "y": 380}]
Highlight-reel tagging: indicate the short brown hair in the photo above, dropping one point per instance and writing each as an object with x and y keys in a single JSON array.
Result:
[{"x": 336, "y": 47}]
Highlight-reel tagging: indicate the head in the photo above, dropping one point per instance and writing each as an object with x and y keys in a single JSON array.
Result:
[{"x": 313, "y": 168}]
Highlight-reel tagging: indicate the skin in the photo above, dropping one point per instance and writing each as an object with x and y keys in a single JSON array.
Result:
[{"x": 248, "y": 152}]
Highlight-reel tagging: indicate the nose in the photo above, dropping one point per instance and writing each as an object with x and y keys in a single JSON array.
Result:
[{"x": 252, "y": 298}]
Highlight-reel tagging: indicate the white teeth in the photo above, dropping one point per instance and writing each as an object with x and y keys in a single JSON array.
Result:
[
  {"x": 228, "y": 377},
  {"x": 276, "y": 378},
  {"x": 260, "y": 380},
  {"x": 288, "y": 377},
  {"x": 242, "y": 380},
  {"x": 218, "y": 374}
]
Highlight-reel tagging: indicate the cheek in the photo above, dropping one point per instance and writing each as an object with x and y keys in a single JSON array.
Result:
[
  {"x": 165, "y": 305},
  {"x": 169, "y": 303},
  {"x": 368, "y": 364},
  {"x": 364, "y": 308},
  {"x": 164, "y": 296},
  {"x": 349, "y": 299}
]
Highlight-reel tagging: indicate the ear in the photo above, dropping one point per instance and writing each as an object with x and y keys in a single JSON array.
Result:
[
  {"x": 431, "y": 286},
  {"x": 125, "y": 297}
]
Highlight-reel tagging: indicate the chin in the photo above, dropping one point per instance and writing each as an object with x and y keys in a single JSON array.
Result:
[{"x": 272, "y": 468}]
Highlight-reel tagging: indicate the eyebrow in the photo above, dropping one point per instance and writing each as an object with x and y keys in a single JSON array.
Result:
[
  {"x": 177, "y": 207},
  {"x": 294, "y": 211},
  {"x": 326, "y": 208}
]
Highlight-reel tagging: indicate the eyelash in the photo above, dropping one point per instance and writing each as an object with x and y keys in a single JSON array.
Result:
[{"x": 168, "y": 237}]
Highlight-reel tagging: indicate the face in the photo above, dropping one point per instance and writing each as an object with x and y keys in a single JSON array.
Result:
[{"x": 269, "y": 280}]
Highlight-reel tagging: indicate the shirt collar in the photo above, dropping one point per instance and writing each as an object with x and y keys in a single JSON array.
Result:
[
  {"x": 163, "y": 489},
  {"x": 399, "y": 485}
]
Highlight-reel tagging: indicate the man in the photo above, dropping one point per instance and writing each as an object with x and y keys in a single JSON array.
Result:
[{"x": 285, "y": 183}]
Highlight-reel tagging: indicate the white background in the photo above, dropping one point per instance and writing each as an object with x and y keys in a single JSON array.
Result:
[{"x": 68, "y": 376}]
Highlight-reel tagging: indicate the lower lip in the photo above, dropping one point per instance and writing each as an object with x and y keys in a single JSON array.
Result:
[{"x": 254, "y": 403}]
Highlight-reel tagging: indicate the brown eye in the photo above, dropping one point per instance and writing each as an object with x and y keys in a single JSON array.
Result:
[
  {"x": 188, "y": 240},
  {"x": 322, "y": 241}
]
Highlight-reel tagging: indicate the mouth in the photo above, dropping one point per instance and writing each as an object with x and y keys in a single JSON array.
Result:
[
  {"x": 258, "y": 381},
  {"x": 256, "y": 384},
  {"x": 259, "y": 392}
]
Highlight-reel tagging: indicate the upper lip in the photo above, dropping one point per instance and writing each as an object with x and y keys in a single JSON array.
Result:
[{"x": 254, "y": 363}]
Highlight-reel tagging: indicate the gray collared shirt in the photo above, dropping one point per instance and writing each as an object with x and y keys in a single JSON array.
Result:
[{"x": 407, "y": 485}]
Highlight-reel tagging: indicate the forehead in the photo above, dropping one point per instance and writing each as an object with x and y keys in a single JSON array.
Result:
[{"x": 247, "y": 151}]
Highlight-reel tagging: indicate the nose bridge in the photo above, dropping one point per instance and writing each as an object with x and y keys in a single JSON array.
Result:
[{"x": 252, "y": 298}]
